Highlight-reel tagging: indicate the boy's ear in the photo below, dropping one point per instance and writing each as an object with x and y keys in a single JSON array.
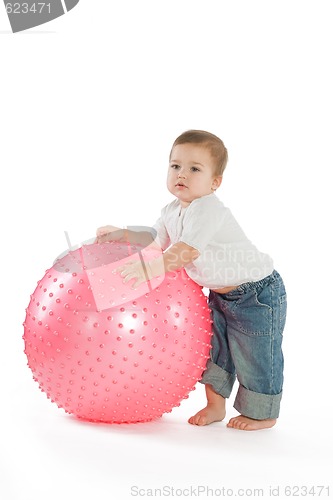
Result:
[{"x": 217, "y": 182}]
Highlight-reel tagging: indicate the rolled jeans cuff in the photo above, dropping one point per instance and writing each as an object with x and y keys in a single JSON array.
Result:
[
  {"x": 257, "y": 406},
  {"x": 221, "y": 380}
]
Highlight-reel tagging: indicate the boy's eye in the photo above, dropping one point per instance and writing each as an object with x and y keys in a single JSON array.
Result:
[{"x": 175, "y": 166}]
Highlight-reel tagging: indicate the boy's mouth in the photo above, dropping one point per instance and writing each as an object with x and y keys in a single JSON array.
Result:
[{"x": 180, "y": 184}]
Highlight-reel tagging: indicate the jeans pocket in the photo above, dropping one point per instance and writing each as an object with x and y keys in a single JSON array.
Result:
[
  {"x": 253, "y": 316},
  {"x": 283, "y": 312}
]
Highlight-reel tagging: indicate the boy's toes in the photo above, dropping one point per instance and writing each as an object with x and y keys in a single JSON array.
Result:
[
  {"x": 249, "y": 424},
  {"x": 237, "y": 423},
  {"x": 207, "y": 416},
  {"x": 197, "y": 420}
]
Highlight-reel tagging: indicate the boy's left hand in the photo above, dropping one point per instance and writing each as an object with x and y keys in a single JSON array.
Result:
[{"x": 134, "y": 270}]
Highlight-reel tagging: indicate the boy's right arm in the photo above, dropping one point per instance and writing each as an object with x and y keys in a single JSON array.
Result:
[
  {"x": 108, "y": 233},
  {"x": 113, "y": 233}
]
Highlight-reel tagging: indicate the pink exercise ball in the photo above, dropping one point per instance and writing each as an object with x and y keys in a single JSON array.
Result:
[{"x": 107, "y": 353}]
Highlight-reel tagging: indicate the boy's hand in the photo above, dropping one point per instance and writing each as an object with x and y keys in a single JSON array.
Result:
[
  {"x": 104, "y": 233},
  {"x": 134, "y": 270},
  {"x": 141, "y": 271}
]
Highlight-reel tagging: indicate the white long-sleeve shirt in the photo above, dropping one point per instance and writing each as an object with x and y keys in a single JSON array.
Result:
[{"x": 227, "y": 256}]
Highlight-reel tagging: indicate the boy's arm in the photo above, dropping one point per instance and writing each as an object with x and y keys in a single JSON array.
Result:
[
  {"x": 113, "y": 233},
  {"x": 177, "y": 256}
]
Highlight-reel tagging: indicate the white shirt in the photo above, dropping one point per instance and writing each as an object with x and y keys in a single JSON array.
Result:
[{"x": 227, "y": 256}]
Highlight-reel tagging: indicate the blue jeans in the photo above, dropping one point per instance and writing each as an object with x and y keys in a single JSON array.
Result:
[{"x": 248, "y": 323}]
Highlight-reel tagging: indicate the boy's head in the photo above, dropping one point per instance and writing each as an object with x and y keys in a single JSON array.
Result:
[
  {"x": 211, "y": 142},
  {"x": 196, "y": 164}
]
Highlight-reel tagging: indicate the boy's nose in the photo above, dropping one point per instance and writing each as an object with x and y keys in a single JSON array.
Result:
[{"x": 181, "y": 173}]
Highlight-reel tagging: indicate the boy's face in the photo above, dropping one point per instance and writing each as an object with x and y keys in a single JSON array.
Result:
[{"x": 191, "y": 173}]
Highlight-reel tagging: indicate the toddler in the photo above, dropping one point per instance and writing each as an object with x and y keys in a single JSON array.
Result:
[{"x": 247, "y": 297}]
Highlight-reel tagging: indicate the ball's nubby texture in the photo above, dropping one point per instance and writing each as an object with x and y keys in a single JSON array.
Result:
[{"x": 131, "y": 362}]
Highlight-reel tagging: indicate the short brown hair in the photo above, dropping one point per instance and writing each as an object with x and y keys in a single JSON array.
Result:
[{"x": 216, "y": 147}]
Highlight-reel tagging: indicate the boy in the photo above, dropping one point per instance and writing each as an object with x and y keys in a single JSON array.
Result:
[{"x": 247, "y": 296}]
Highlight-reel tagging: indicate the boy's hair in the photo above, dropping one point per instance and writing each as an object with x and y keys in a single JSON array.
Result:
[{"x": 213, "y": 143}]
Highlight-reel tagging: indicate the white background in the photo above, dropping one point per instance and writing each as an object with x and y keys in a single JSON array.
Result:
[{"x": 90, "y": 105}]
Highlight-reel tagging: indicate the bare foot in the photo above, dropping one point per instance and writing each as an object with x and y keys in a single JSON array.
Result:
[
  {"x": 213, "y": 412},
  {"x": 250, "y": 424}
]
